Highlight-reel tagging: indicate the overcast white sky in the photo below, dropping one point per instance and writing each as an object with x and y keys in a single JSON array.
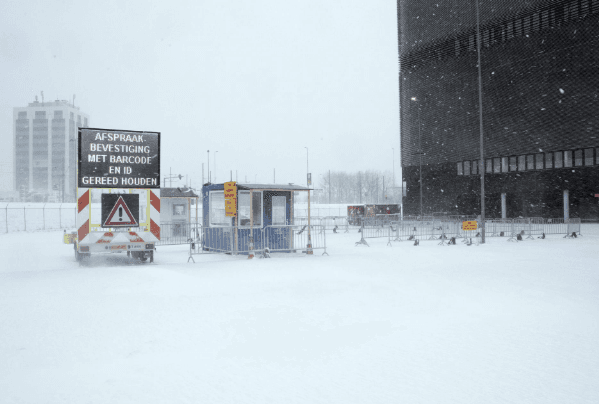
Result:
[{"x": 256, "y": 80}]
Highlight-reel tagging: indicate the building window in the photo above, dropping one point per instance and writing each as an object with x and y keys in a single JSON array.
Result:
[
  {"x": 578, "y": 158},
  {"x": 504, "y": 165},
  {"x": 460, "y": 170},
  {"x": 568, "y": 158},
  {"x": 23, "y": 115},
  {"x": 548, "y": 160},
  {"x": 40, "y": 114},
  {"x": 57, "y": 114},
  {"x": 243, "y": 208},
  {"x": 466, "y": 168},
  {"x": 588, "y": 157},
  {"x": 72, "y": 116},
  {"x": 279, "y": 205},
  {"x": 474, "y": 167},
  {"x": 558, "y": 159},
  {"x": 257, "y": 207},
  {"x": 539, "y": 162},
  {"x": 179, "y": 210},
  {"x": 513, "y": 163},
  {"x": 530, "y": 162},
  {"x": 496, "y": 165},
  {"x": 489, "y": 165},
  {"x": 217, "y": 209},
  {"x": 521, "y": 163}
]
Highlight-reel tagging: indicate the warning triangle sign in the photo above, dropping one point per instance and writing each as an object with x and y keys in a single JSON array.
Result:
[{"x": 120, "y": 215}]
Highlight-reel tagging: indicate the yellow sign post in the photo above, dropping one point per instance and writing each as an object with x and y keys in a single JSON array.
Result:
[
  {"x": 469, "y": 225},
  {"x": 231, "y": 198}
]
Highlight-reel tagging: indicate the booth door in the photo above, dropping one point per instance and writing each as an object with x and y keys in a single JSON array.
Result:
[{"x": 278, "y": 233}]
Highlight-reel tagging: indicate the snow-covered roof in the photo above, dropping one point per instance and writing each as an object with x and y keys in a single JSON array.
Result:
[
  {"x": 177, "y": 193},
  {"x": 285, "y": 187}
]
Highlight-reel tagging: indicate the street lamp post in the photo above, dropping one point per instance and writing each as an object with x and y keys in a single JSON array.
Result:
[
  {"x": 393, "y": 148},
  {"x": 215, "y": 165},
  {"x": 481, "y": 166},
  {"x": 419, "y": 152}
]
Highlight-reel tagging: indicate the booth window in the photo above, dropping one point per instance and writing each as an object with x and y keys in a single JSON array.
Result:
[
  {"x": 466, "y": 168},
  {"x": 279, "y": 204},
  {"x": 178, "y": 210},
  {"x": 217, "y": 209},
  {"x": 489, "y": 165},
  {"x": 243, "y": 208},
  {"x": 257, "y": 207},
  {"x": 521, "y": 163},
  {"x": 460, "y": 170},
  {"x": 474, "y": 168}
]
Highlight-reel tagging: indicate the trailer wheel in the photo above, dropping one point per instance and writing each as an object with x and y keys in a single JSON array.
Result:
[
  {"x": 142, "y": 258},
  {"x": 84, "y": 259}
]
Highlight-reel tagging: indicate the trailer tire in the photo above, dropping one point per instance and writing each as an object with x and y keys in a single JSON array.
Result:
[{"x": 84, "y": 259}]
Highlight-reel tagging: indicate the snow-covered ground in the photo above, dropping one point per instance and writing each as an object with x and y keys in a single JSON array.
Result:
[{"x": 496, "y": 323}]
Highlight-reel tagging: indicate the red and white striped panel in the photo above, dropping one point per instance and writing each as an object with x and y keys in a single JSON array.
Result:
[
  {"x": 83, "y": 202},
  {"x": 154, "y": 214}
]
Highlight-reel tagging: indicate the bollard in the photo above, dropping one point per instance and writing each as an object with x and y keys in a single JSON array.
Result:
[
  {"x": 251, "y": 248},
  {"x": 309, "y": 246}
]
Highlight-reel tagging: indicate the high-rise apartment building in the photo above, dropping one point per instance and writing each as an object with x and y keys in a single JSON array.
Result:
[{"x": 45, "y": 149}]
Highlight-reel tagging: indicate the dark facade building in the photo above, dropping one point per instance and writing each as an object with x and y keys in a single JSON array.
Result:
[{"x": 540, "y": 107}]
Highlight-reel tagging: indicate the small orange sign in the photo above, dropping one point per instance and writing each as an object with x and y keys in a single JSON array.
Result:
[
  {"x": 231, "y": 198},
  {"x": 469, "y": 225}
]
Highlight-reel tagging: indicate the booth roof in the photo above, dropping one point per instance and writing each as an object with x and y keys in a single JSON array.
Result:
[
  {"x": 177, "y": 193},
  {"x": 284, "y": 187}
]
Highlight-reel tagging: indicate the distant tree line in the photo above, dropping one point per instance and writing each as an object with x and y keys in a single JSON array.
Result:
[{"x": 357, "y": 187}]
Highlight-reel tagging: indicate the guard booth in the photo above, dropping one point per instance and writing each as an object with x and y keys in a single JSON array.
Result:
[
  {"x": 264, "y": 217},
  {"x": 179, "y": 214}
]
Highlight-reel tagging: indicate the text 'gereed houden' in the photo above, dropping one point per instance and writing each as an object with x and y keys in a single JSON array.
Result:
[{"x": 118, "y": 159}]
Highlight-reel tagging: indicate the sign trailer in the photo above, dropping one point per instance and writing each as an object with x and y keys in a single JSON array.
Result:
[{"x": 118, "y": 193}]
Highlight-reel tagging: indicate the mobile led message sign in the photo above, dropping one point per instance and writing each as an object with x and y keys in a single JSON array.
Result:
[{"x": 111, "y": 158}]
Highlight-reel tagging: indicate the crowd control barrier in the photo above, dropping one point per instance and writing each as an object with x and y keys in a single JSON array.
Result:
[
  {"x": 258, "y": 241},
  {"x": 444, "y": 228},
  {"x": 336, "y": 224}
]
